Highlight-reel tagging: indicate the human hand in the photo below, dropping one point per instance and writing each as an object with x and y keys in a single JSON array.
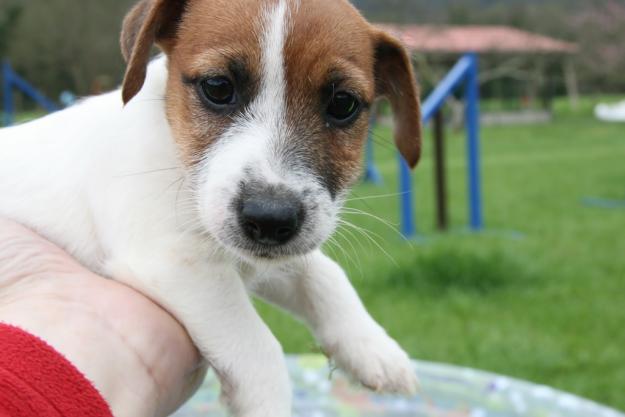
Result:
[{"x": 138, "y": 357}]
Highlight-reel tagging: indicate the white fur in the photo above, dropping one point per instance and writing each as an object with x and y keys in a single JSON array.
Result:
[{"x": 105, "y": 182}]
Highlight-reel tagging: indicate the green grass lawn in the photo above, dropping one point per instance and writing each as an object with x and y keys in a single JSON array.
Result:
[
  {"x": 548, "y": 307},
  {"x": 23, "y": 116}
]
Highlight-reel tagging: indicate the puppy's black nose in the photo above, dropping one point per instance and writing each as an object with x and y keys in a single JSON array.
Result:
[{"x": 271, "y": 220}]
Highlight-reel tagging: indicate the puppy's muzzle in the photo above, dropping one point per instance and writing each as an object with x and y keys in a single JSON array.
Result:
[{"x": 272, "y": 217}]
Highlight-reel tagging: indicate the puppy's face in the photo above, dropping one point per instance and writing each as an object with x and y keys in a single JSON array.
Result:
[{"x": 268, "y": 101}]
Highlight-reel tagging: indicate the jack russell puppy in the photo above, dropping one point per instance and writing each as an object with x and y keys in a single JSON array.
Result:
[{"x": 218, "y": 171}]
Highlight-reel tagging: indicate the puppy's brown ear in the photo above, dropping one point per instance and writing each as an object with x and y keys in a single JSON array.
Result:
[
  {"x": 396, "y": 81},
  {"x": 150, "y": 22}
]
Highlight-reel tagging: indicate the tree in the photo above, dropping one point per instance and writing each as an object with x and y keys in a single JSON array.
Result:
[
  {"x": 9, "y": 16},
  {"x": 69, "y": 45},
  {"x": 601, "y": 33}
]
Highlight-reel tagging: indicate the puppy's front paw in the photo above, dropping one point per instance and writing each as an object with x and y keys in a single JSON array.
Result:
[{"x": 376, "y": 360}]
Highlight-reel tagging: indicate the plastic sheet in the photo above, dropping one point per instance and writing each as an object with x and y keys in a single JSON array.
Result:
[{"x": 447, "y": 391}]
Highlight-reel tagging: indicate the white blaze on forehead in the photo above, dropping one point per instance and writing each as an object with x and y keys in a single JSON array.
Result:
[
  {"x": 249, "y": 141},
  {"x": 270, "y": 105},
  {"x": 265, "y": 125}
]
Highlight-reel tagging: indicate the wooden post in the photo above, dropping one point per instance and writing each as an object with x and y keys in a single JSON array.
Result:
[{"x": 442, "y": 218}]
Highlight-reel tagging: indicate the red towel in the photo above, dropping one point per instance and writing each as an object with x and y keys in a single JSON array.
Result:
[{"x": 37, "y": 381}]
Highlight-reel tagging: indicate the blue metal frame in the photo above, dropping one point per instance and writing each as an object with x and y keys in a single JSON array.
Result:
[
  {"x": 465, "y": 72},
  {"x": 472, "y": 94},
  {"x": 11, "y": 80},
  {"x": 407, "y": 203}
]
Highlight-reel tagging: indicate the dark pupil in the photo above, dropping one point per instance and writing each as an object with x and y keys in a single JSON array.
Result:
[
  {"x": 342, "y": 106},
  {"x": 218, "y": 90}
]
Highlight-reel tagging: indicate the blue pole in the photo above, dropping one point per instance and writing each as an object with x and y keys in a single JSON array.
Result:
[
  {"x": 473, "y": 145},
  {"x": 371, "y": 171},
  {"x": 465, "y": 71},
  {"x": 433, "y": 103},
  {"x": 408, "y": 226},
  {"x": 31, "y": 92},
  {"x": 445, "y": 88},
  {"x": 7, "y": 89}
]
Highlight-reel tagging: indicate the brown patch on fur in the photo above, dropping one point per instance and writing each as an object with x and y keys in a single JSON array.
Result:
[
  {"x": 201, "y": 38},
  {"x": 210, "y": 38},
  {"x": 131, "y": 27},
  {"x": 148, "y": 23},
  {"x": 330, "y": 45},
  {"x": 396, "y": 81}
]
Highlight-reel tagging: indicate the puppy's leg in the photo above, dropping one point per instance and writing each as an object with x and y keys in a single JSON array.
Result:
[
  {"x": 211, "y": 301},
  {"x": 318, "y": 291}
]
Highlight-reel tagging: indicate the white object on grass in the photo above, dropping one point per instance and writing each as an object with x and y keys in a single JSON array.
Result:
[{"x": 611, "y": 112}]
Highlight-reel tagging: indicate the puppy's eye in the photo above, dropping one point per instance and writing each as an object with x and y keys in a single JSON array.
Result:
[
  {"x": 343, "y": 108},
  {"x": 218, "y": 91}
]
